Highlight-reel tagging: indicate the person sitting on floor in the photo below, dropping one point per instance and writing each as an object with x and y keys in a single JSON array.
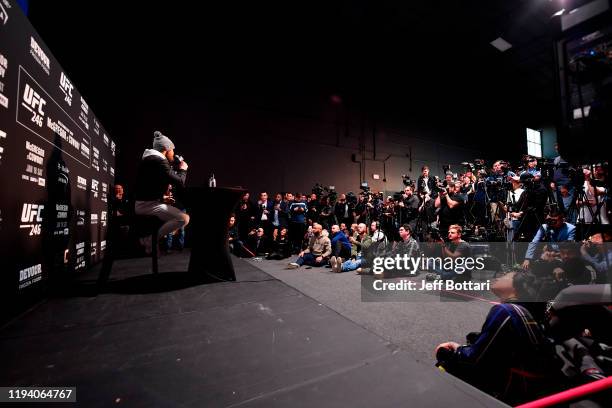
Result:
[
  {"x": 341, "y": 247},
  {"x": 318, "y": 251},
  {"x": 258, "y": 242},
  {"x": 281, "y": 247},
  {"x": 358, "y": 254}
]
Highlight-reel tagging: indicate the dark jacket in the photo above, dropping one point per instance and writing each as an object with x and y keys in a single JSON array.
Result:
[
  {"x": 339, "y": 241},
  {"x": 154, "y": 175},
  {"x": 431, "y": 183}
]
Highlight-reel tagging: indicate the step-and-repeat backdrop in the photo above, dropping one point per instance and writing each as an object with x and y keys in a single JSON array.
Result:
[{"x": 57, "y": 164}]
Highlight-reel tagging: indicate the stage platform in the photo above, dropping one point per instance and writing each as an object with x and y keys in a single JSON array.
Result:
[{"x": 274, "y": 338}]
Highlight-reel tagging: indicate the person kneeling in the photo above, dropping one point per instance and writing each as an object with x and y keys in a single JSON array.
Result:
[{"x": 318, "y": 251}]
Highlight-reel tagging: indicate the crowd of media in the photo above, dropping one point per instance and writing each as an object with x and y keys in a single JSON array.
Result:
[{"x": 531, "y": 343}]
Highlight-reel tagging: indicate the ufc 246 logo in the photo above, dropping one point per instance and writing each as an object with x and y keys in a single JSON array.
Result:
[
  {"x": 33, "y": 102},
  {"x": 31, "y": 217},
  {"x": 66, "y": 87}
]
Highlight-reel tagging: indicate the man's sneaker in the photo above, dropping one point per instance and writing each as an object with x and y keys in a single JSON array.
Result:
[
  {"x": 431, "y": 276},
  {"x": 332, "y": 263},
  {"x": 338, "y": 265},
  {"x": 292, "y": 265}
]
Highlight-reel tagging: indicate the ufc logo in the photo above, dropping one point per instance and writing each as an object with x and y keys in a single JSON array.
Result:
[
  {"x": 66, "y": 85},
  {"x": 33, "y": 99},
  {"x": 31, "y": 212}
]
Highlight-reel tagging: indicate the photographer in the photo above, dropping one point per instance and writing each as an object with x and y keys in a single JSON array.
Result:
[
  {"x": 530, "y": 208},
  {"x": 409, "y": 207},
  {"x": 154, "y": 175},
  {"x": 596, "y": 250},
  {"x": 451, "y": 204},
  {"x": 591, "y": 203},
  {"x": 344, "y": 210},
  {"x": 312, "y": 215},
  {"x": 554, "y": 230},
  {"x": 326, "y": 216}
]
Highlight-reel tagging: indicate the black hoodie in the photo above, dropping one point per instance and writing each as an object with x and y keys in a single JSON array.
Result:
[{"x": 154, "y": 175}]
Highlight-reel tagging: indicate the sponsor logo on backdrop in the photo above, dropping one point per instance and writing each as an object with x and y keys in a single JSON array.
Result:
[
  {"x": 5, "y": 5},
  {"x": 62, "y": 130},
  {"x": 66, "y": 87},
  {"x": 95, "y": 160},
  {"x": 81, "y": 183},
  {"x": 61, "y": 214},
  {"x": 84, "y": 114},
  {"x": 35, "y": 157},
  {"x": 3, "y": 68},
  {"x": 112, "y": 172},
  {"x": 39, "y": 55},
  {"x": 85, "y": 148},
  {"x": 94, "y": 187},
  {"x": 80, "y": 256},
  {"x": 102, "y": 246},
  {"x": 34, "y": 103},
  {"x": 104, "y": 165},
  {"x": 94, "y": 219},
  {"x": 2, "y": 137},
  {"x": 30, "y": 275},
  {"x": 104, "y": 197},
  {"x": 96, "y": 128},
  {"x": 105, "y": 138},
  {"x": 31, "y": 218},
  {"x": 112, "y": 146},
  {"x": 66, "y": 133},
  {"x": 103, "y": 218},
  {"x": 94, "y": 246},
  {"x": 63, "y": 172},
  {"x": 80, "y": 218}
]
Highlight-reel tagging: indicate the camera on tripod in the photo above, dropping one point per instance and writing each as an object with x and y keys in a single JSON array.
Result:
[
  {"x": 329, "y": 192},
  {"x": 476, "y": 166},
  {"x": 407, "y": 181},
  {"x": 351, "y": 198},
  {"x": 365, "y": 190}
]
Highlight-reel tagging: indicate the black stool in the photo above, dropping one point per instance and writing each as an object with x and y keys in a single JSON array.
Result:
[{"x": 146, "y": 225}]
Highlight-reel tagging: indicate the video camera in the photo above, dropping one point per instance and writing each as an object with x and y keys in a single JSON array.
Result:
[
  {"x": 322, "y": 191},
  {"x": 477, "y": 166},
  {"x": 351, "y": 198},
  {"x": 407, "y": 181}
]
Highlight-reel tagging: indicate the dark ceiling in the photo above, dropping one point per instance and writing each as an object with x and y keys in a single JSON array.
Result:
[{"x": 394, "y": 59}]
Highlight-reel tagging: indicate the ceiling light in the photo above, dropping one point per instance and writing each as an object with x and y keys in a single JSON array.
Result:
[
  {"x": 501, "y": 44},
  {"x": 558, "y": 13}
]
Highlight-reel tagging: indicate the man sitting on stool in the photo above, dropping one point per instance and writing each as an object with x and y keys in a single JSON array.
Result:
[
  {"x": 154, "y": 175},
  {"x": 318, "y": 251}
]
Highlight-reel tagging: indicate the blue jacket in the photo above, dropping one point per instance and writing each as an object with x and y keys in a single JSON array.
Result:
[
  {"x": 567, "y": 232},
  {"x": 340, "y": 237}
]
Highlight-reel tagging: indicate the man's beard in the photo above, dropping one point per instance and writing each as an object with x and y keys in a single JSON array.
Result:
[{"x": 316, "y": 233}]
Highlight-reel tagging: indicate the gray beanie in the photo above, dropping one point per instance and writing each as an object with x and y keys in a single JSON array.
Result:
[{"x": 161, "y": 142}]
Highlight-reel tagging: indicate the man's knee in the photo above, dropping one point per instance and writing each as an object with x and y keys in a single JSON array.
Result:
[{"x": 185, "y": 219}]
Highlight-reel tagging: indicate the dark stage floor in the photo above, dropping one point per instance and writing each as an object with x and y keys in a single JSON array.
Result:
[{"x": 256, "y": 342}]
